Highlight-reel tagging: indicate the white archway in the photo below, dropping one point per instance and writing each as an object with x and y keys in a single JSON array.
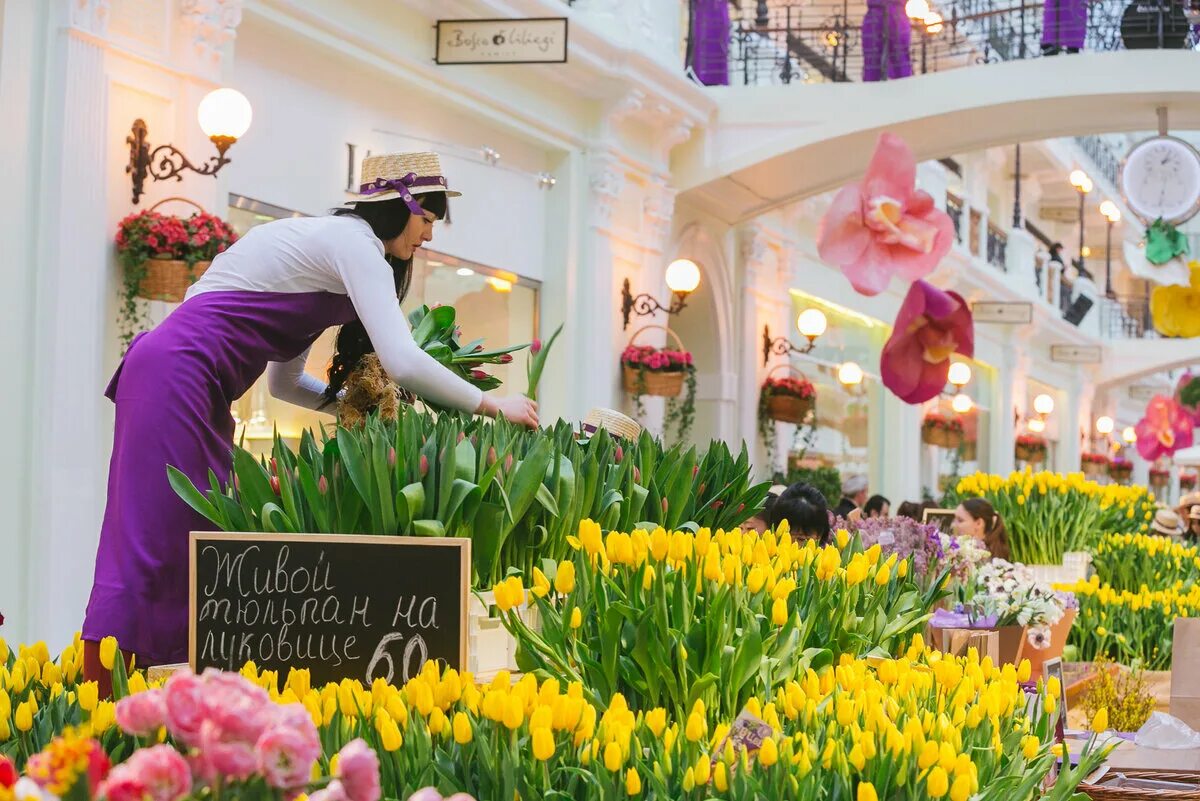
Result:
[
  {"x": 706, "y": 327},
  {"x": 777, "y": 144}
]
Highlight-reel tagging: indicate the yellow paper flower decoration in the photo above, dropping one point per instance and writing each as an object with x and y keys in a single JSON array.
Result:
[{"x": 1176, "y": 309}]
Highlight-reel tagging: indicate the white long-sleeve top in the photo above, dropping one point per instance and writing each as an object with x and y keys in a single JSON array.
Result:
[{"x": 341, "y": 255}]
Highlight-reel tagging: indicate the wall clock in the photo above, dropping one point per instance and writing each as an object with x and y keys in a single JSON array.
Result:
[{"x": 1161, "y": 178}]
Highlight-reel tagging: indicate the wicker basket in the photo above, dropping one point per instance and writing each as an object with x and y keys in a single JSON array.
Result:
[
  {"x": 1095, "y": 469},
  {"x": 789, "y": 408},
  {"x": 941, "y": 437},
  {"x": 856, "y": 429},
  {"x": 169, "y": 279},
  {"x": 1098, "y": 792},
  {"x": 1030, "y": 455},
  {"x": 658, "y": 384}
]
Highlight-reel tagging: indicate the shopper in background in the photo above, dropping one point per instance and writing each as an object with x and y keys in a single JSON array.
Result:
[
  {"x": 977, "y": 518},
  {"x": 854, "y": 495},
  {"x": 877, "y": 506},
  {"x": 804, "y": 508},
  {"x": 1166, "y": 523}
]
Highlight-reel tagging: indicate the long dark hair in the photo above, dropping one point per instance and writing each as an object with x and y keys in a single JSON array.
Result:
[
  {"x": 805, "y": 509},
  {"x": 388, "y": 219},
  {"x": 995, "y": 536}
]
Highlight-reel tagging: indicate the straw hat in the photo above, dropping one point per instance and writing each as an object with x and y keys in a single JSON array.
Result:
[
  {"x": 614, "y": 423},
  {"x": 1191, "y": 499},
  {"x": 1166, "y": 522},
  {"x": 394, "y": 175},
  {"x": 1194, "y": 512}
]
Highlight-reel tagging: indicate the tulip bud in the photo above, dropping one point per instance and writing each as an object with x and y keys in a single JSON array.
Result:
[
  {"x": 275, "y": 484},
  {"x": 461, "y": 436},
  {"x": 506, "y": 358},
  {"x": 424, "y": 465},
  {"x": 274, "y": 467},
  {"x": 391, "y": 457},
  {"x": 664, "y": 505},
  {"x": 477, "y": 349},
  {"x": 337, "y": 470},
  {"x": 491, "y": 457},
  {"x": 695, "y": 471},
  {"x": 741, "y": 507},
  {"x": 535, "y": 347},
  {"x": 508, "y": 463},
  {"x": 718, "y": 504},
  {"x": 322, "y": 485},
  {"x": 478, "y": 375},
  {"x": 620, "y": 454},
  {"x": 637, "y": 475},
  {"x": 237, "y": 483},
  {"x": 700, "y": 489}
]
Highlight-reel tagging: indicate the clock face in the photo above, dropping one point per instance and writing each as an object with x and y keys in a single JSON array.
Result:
[{"x": 1161, "y": 178}]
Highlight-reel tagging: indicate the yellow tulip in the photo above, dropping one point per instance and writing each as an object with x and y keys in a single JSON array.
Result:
[
  {"x": 462, "y": 728},
  {"x": 24, "y": 717},
  {"x": 883, "y": 576},
  {"x": 541, "y": 584},
  {"x": 633, "y": 782},
  {"x": 768, "y": 753},
  {"x": 696, "y": 727},
  {"x": 702, "y": 770},
  {"x": 656, "y": 721},
  {"x": 89, "y": 695},
  {"x": 721, "y": 777},
  {"x": 938, "y": 783},
  {"x": 576, "y": 618},
  {"x": 389, "y": 734},
  {"x": 866, "y": 792},
  {"x": 104, "y": 717},
  {"x": 779, "y": 612},
  {"x": 514, "y": 713},
  {"x": 612, "y": 757},
  {"x": 1030, "y": 746},
  {"x": 843, "y": 538},
  {"x": 564, "y": 579},
  {"x": 961, "y": 790},
  {"x": 902, "y": 569},
  {"x": 1100, "y": 721},
  {"x": 543, "y": 744},
  {"x": 108, "y": 652}
]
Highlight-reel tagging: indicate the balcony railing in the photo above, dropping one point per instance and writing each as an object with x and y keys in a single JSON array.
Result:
[
  {"x": 827, "y": 40},
  {"x": 997, "y": 247},
  {"x": 1103, "y": 155},
  {"x": 1127, "y": 317},
  {"x": 954, "y": 207}
]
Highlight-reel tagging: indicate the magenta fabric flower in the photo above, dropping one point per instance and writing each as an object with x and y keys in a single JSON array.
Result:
[
  {"x": 1165, "y": 429},
  {"x": 884, "y": 225},
  {"x": 142, "y": 714},
  {"x": 358, "y": 768},
  {"x": 931, "y": 325}
]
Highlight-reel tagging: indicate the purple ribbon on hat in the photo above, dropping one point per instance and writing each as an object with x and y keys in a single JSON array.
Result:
[{"x": 401, "y": 186}]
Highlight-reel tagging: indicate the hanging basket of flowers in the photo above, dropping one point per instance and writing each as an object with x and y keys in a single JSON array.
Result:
[
  {"x": 1187, "y": 481},
  {"x": 1160, "y": 479},
  {"x": 1094, "y": 464},
  {"x": 1120, "y": 468},
  {"x": 164, "y": 254},
  {"x": 789, "y": 399},
  {"x": 857, "y": 425},
  {"x": 1030, "y": 449},
  {"x": 942, "y": 430},
  {"x": 649, "y": 370}
]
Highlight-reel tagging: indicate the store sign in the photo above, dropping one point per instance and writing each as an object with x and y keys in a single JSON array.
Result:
[
  {"x": 1142, "y": 392},
  {"x": 341, "y": 606},
  {"x": 1076, "y": 354},
  {"x": 1004, "y": 313},
  {"x": 502, "y": 41}
]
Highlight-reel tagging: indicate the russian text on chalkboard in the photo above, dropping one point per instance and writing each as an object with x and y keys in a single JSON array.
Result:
[{"x": 342, "y": 606}]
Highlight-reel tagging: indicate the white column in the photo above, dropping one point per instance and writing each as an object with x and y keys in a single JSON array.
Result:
[
  {"x": 1021, "y": 260},
  {"x": 897, "y": 473},
  {"x": 1068, "y": 434},
  {"x": 1008, "y": 387}
]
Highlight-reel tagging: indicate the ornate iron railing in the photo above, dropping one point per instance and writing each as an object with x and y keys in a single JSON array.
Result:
[
  {"x": 997, "y": 248},
  {"x": 828, "y": 40}
]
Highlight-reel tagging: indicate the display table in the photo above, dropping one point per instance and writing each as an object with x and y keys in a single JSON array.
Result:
[{"x": 1127, "y": 756}]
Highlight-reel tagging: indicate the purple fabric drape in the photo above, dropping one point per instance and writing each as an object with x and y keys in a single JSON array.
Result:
[
  {"x": 886, "y": 35},
  {"x": 1064, "y": 23},
  {"x": 710, "y": 42}
]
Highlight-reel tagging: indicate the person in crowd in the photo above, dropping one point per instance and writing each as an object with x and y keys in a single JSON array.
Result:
[
  {"x": 1166, "y": 523},
  {"x": 877, "y": 506},
  {"x": 886, "y": 36},
  {"x": 1192, "y": 532},
  {"x": 854, "y": 495},
  {"x": 977, "y": 518},
  {"x": 260, "y": 306},
  {"x": 762, "y": 521},
  {"x": 911, "y": 510},
  {"x": 804, "y": 508},
  {"x": 1064, "y": 26}
]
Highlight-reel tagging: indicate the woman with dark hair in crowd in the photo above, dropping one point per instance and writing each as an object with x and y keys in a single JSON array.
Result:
[
  {"x": 259, "y": 307},
  {"x": 804, "y": 508},
  {"x": 911, "y": 510},
  {"x": 876, "y": 506},
  {"x": 977, "y": 518}
]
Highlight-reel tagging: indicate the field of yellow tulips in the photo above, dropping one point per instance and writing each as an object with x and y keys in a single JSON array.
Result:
[
  {"x": 1133, "y": 561},
  {"x": 669, "y": 619},
  {"x": 1049, "y": 514},
  {"x": 920, "y": 726}
]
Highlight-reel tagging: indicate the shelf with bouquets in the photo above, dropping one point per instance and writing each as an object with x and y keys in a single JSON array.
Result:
[
  {"x": 1094, "y": 464},
  {"x": 1120, "y": 468},
  {"x": 161, "y": 255},
  {"x": 1160, "y": 478},
  {"x": 1030, "y": 448},
  {"x": 944, "y": 431},
  {"x": 662, "y": 372}
]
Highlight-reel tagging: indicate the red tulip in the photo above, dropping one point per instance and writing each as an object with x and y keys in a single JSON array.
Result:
[
  {"x": 930, "y": 326},
  {"x": 664, "y": 505},
  {"x": 322, "y": 485},
  {"x": 479, "y": 375},
  {"x": 718, "y": 504},
  {"x": 274, "y": 467},
  {"x": 424, "y": 465},
  {"x": 535, "y": 347},
  {"x": 275, "y": 484},
  {"x": 506, "y": 358},
  {"x": 391, "y": 457},
  {"x": 491, "y": 456},
  {"x": 8, "y": 773},
  {"x": 620, "y": 454},
  {"x": 695, "y": 471},
  {"x": 637, "y": 475},
  {"x": 741, "y": 507}
]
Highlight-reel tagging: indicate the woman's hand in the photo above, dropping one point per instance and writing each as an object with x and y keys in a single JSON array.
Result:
[{"x": 517, "y": 409}]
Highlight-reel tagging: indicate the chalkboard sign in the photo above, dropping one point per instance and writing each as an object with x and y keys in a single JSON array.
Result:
[{"x": 342, "y": 606}]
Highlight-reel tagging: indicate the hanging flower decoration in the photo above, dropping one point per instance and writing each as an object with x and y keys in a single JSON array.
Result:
[
  {"x": 884, "y": 225},
  {"x": 931, "y": 326},
  {"x": 1187, "y": 395},
  {"x": 1165, "y": 429},
  {"x": 1176, "y": 309}
]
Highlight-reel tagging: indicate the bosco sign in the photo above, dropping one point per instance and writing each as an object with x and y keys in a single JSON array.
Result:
[
  {"x": 502, "y": 41},
  {"x": 341, "y": 606}
]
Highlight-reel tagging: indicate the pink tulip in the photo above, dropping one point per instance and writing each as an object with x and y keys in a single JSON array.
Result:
[
  {"x": 491, "y": 456},
  {"x": 391, "y": 457},
  {"x": 508, "y": 463},
  {"x": 334, "y": 791},
  {"x": 223, "y": 754},
  {"x": 1166, "y": 428},
  {"x": 424, "y": 465},
  {"x": 158, "y": 773},
  {"x": 358, "y": 768},
  {"x": 619, "y": 454},
  {"x": 274, "y": 481},
  {"x": 240, "y": 709},
  {"x": 931, "y": 326},
  {"x": 426, "y": 794},
  {"x": 506, "y": 358},
  {"x": 637, "y": 475},
  {"x": 535, "y": 347},
  {"x": 478, "y": 375},
  {"x": 185, "y": 711},
  {"x": 883, "y": 225},
  {"x": 322, "y": 485},
  {"x": 142, "y": 714},
  {"x": 287, "y": 755}
]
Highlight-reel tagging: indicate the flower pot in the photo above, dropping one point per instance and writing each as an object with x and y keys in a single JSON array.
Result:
[
  {"x": 1160, "y": 482},
  {"x": 932, "y": 435},
  {"x": 1058, "y": 640},
  {"x": 1013, "y": 644},
  {"x": 169, "y": 279},
  {"x": 1094, "y": 469},
  {"x": 789, "y": 408}
]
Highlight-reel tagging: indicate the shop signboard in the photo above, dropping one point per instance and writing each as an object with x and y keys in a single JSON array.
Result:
[
  {"x": 343, "y": 606},
  {"x": 1000, "y": 312},
  {"x": 540, "y": 40},
  {"x": 1076, "y": 354}
]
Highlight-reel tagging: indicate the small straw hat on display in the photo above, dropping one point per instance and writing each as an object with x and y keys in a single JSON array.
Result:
[
  {"x": 402, "y": 175},
  {"x": 614, "y": 423},
  {"x": 1166, "y": 522}
]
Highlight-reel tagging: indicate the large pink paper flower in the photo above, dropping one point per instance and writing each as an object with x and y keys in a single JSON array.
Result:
[
  {"x": 1165, "y": 429},
  {"x": 884, "y": 225},
  {"x": 931, "y": 325}
]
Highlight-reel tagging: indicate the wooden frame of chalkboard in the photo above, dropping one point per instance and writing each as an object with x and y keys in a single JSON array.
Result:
[
  {"x": 462, "y": 559},
  {"x": 942, "y": 518}
]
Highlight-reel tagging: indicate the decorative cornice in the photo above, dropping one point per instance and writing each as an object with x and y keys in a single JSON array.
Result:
[
  {"x": 210, "y": 25},
  {"x": 90, "y": 15},
  {"x": 606, "y": 180}
]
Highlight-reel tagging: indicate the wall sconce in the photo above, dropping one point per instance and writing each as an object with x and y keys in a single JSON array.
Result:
[
  {"x": 811, "y": 323},
  {"x": 224, "y": 116},
  {"x": 1036, "y": 424},
  {"x": 850, "y": 376},
  {"x": 1129, "y": 435},
  {"x": 962, "y": 403},
  {"x": 1104, "y": 425},
  {"x": 960, "y": 375},
  {"x": 490, "y": 155},
  {"x": 683, "y": 276},
  {"x": 546, "y": 181}
]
